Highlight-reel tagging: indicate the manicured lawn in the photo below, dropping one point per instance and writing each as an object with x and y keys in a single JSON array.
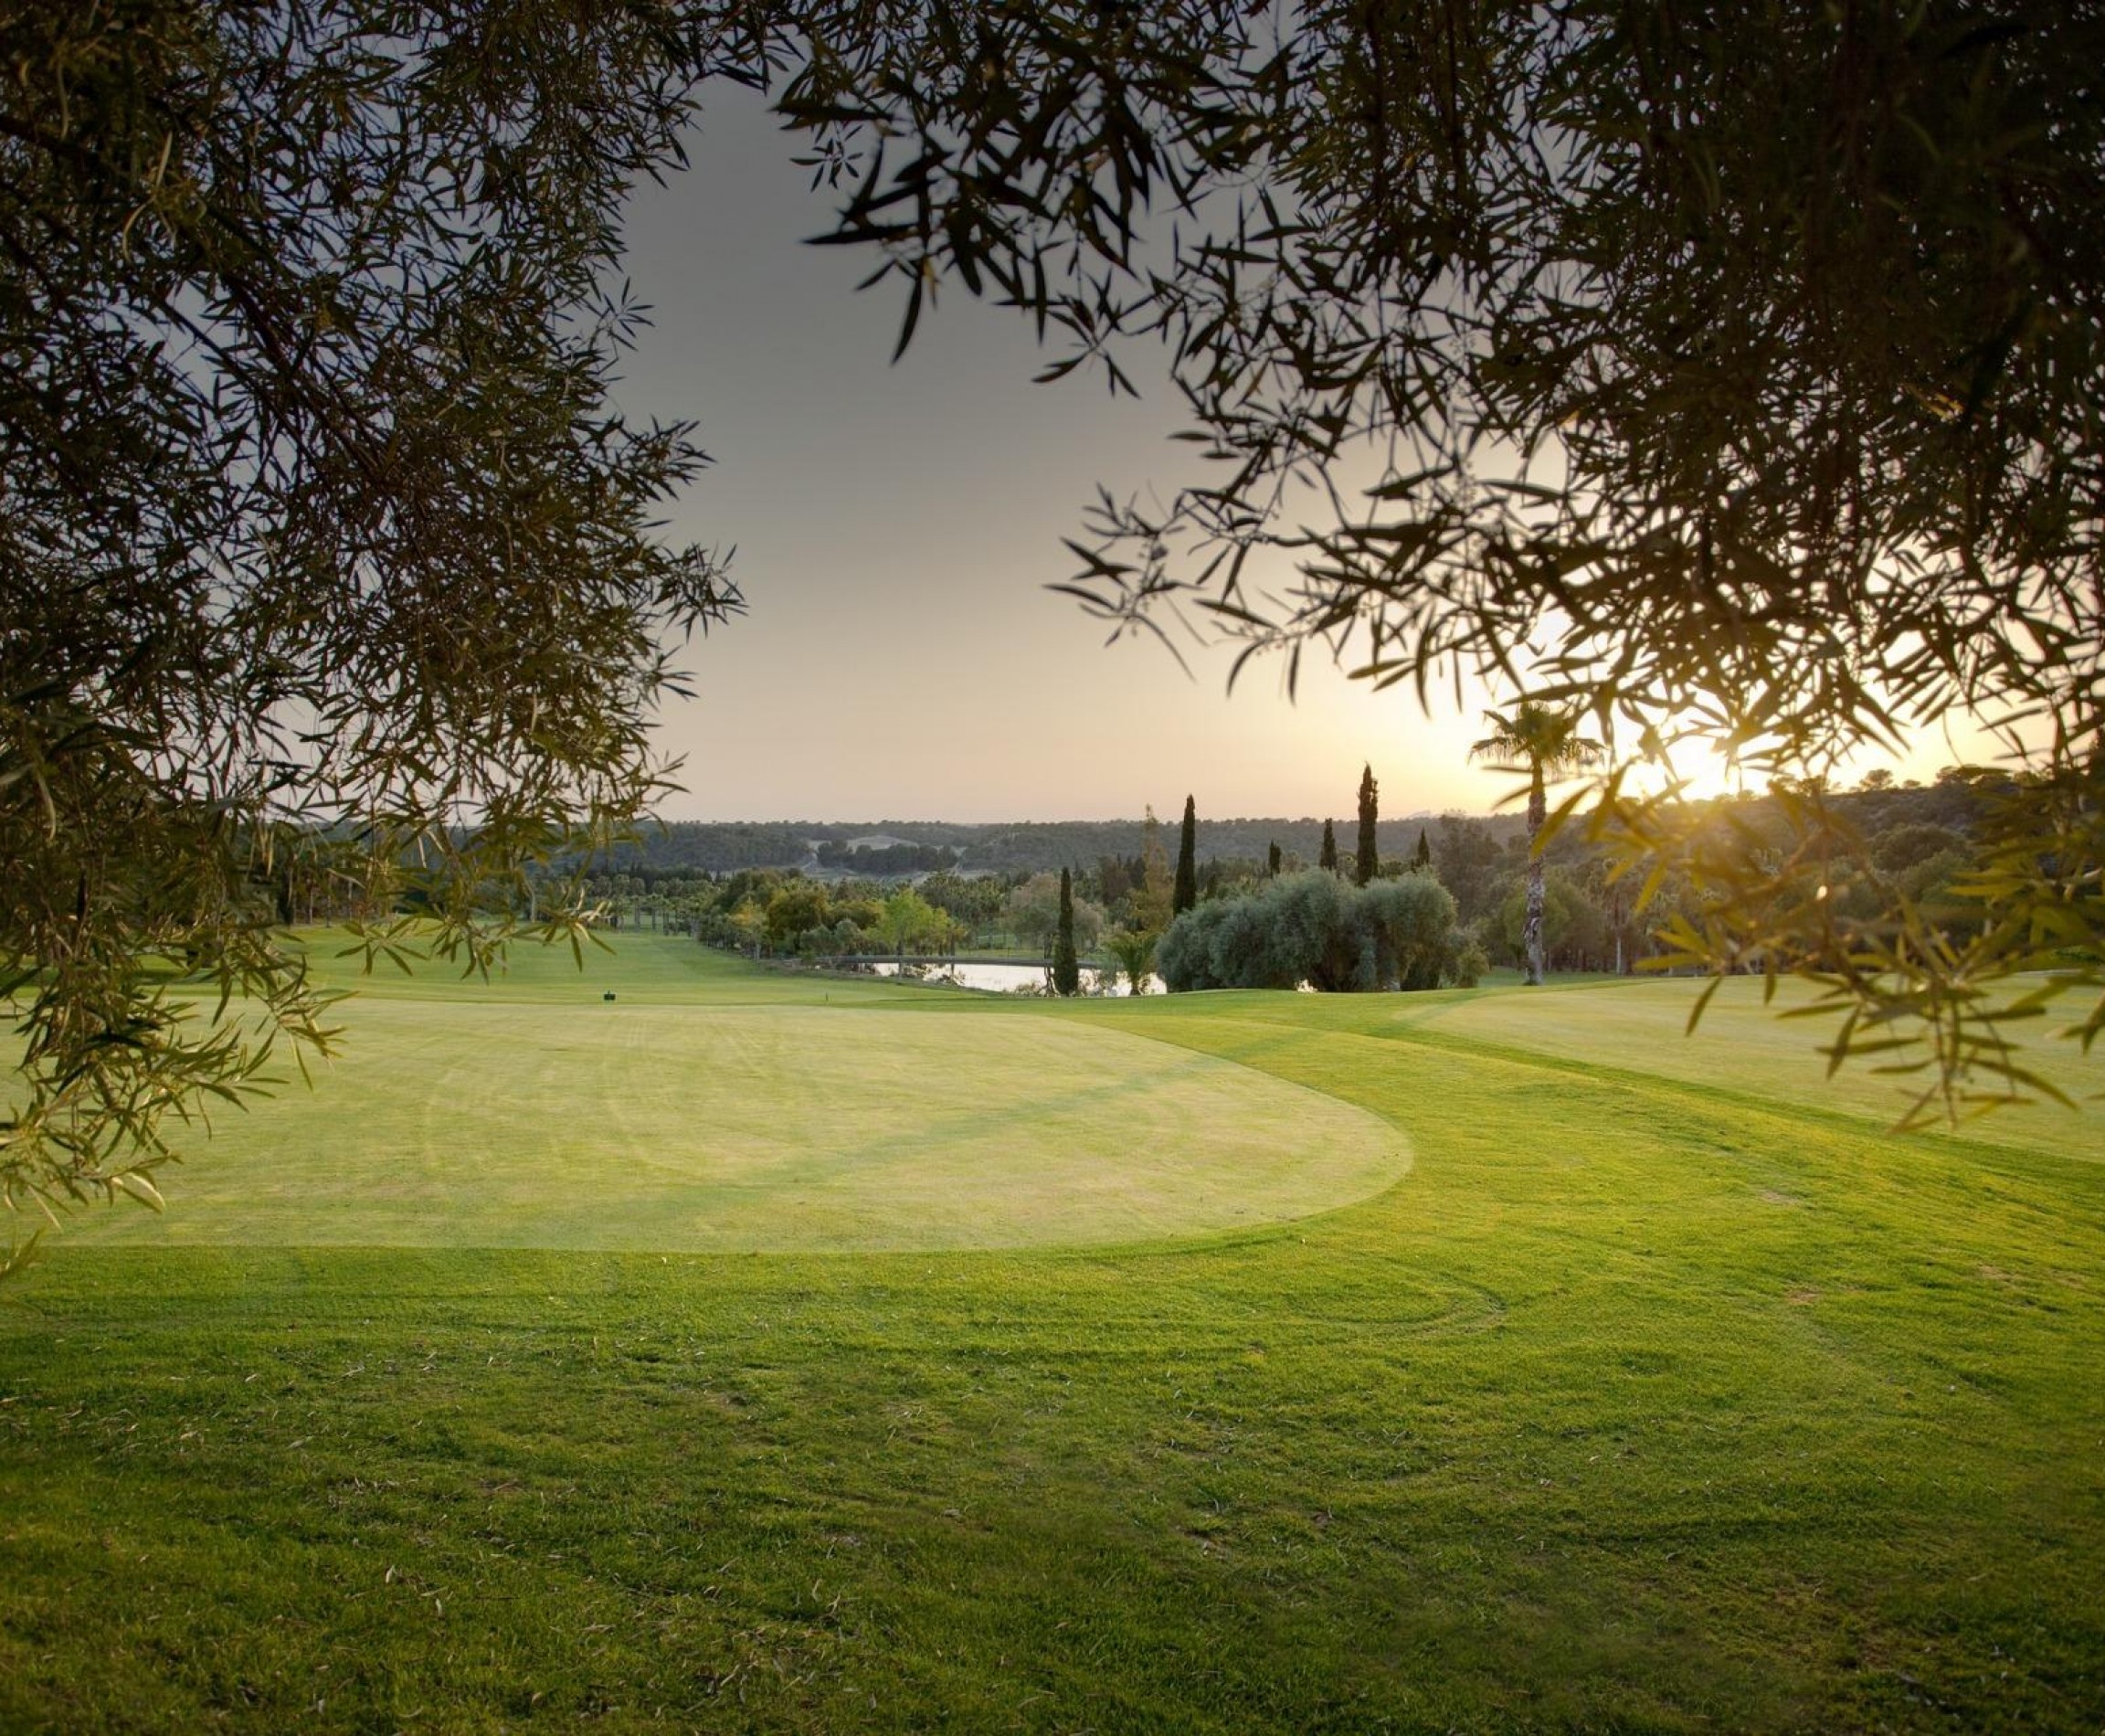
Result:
[
  {"x": 1639, "y": 1401},
  {"x": 681, "y": 1127},
  {"x": 1741, "y": 1046}
]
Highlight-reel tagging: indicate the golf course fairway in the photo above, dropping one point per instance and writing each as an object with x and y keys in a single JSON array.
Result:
[{"x": 759, "y": 1352}]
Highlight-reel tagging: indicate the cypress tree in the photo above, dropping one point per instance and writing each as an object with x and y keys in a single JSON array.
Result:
[
  {"x": 1186, "y": 892},
  {"x": 1369, "y": 862},
  {"x": 1329, "y": 859},
  {"x": 1423, "y": 856},
  {"x": 1066, "y": 968},
  {"x": 1272, "y": 859}
]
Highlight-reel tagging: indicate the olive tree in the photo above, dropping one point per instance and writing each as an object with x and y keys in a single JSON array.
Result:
[
  {"x": 1317, "y": 928},
  {"x": 329, "y": 574},
  {"x": 1412, "y": 918}
]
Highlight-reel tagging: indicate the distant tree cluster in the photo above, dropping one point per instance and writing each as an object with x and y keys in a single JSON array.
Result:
[
  {"x": 1083, "y": 845},
  {"x": 713, "y": 847},
  {"x": 1033, "y": 912},
  {"x": 1923, "y": 841},
  {"x": 768, "y": 913},
  {"x": 973, "y": 900},
  {"x": 885, "y": 859},
  {"x": 1572, "y": 906}
]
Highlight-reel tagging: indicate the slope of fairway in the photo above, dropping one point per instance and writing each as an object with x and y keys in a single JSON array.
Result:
[
  {"x": 1647, "y": 1404},
  {"x": 1742, "y": 1047},
  {"x": 465, "y": 1123}
]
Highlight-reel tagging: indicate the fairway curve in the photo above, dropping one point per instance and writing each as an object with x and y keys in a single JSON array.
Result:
[{"x": 669, "y": 1128}]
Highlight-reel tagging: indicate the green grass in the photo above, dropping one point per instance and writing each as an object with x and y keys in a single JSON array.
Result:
[
  {"x": 681, "y": 1127},
  {"x": 1641, "y": 1402},
  {"x": 1741, "y": 1045}
]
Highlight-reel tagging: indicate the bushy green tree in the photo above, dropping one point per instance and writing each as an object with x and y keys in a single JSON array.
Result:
[
  {"x": 1153, "y": 897},
  {"x": 319, "y": 533},
  {"x": 1116, "y": 879},
  {"x": 1327, "y": 858},
  {"x": 796, "y": 909},
  {"x": 1413, "y": 919},
  {"x": 1469, "y": 859},
  {"x": 910, "y": 924},
  {"x": 1899, "y": 848},
  {"x": 1031, "y": 913},
  {"x": 1314, "y": 927},
  {"x": 1567, "y": 927},
  {"x": 1471, "y": 963},
  {"x": 747, "y": 922},
  {"x": 974, "y": 900}
]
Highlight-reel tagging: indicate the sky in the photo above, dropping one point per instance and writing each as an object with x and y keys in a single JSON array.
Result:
[{"x": 896, "y": 527}]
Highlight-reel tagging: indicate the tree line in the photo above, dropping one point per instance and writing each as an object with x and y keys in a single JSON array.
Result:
[
  {"x": 1364, "y": 917},
  {"x": 1022, "y": 847}
]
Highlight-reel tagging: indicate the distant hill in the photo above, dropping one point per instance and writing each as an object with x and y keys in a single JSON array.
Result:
[
  {"x": 1018, "y": 847},
  {"x": 899, "y": 846}
]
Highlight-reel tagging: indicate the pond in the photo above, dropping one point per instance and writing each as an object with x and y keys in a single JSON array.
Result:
[{"x": 1007, "y": 979}]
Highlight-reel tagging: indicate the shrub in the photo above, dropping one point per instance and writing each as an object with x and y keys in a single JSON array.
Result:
[{"x": 1470, "y": 962}]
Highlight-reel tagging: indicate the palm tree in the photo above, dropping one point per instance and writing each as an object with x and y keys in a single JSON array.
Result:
[
  {"x": 1545, "y": 743},
  {"x": 1134, "y": 948}
]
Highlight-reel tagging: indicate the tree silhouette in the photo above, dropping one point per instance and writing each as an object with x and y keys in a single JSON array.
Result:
[
  {"x": 1066, "y": 966},
  {"x": 1186, "y": 892},
  {"x": 1368, "y": 864}
]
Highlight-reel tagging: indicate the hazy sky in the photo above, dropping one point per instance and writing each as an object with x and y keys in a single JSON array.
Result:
[{"x": 896, "y": 527}]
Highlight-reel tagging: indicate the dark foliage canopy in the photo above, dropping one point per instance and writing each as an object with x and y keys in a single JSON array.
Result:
[
  {"x": 1734, "y": 374},
  {"x": 329, "y": 575}
]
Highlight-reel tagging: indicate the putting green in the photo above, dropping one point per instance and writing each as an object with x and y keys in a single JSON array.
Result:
[{"x": 495, "y": 1124}]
